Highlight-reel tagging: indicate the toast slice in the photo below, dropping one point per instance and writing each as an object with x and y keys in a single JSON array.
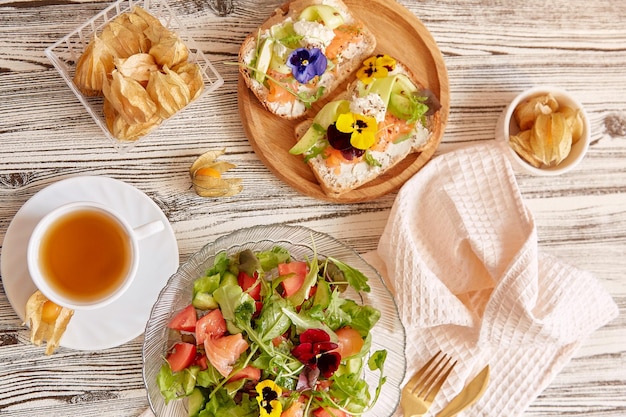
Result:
[
  {"x": 302, "y": 53},
  {"x": 405, "y": 114}
]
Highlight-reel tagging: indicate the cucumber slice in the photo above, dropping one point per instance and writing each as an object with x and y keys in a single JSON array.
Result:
[
  {"x": 204, "y": 301},
  {"x": 278, "y": 65},
  {"x": 403, "y": 85},
  {"x": 228, "y": 278},
  {"x": 195, "y": 402},
  {"x": 383, "y": 87},
  {"x": 400, "y": 106},
  {"x": 263, "y": 59},
  {"x": 397, "y": 84},
  {"x": 327, "y": 14},
  {"x": 282, "y": 30},
  {"x": 189, "y": 381}
]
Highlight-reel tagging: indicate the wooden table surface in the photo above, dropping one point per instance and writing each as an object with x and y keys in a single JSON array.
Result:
[{"x": 492, "y": 50}]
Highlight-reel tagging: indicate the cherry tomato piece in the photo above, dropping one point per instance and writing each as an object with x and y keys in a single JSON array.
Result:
[
  {"x": 293, "y": 283},
  {"x": 184, "y": 320},
  {"x": 349, "y": 342},
  {"x": 181, "y": 356},
  {"x": 211, "y": 325}
]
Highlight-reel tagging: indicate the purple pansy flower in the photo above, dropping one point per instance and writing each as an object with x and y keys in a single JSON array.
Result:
[{"x": 306, "y": 63}]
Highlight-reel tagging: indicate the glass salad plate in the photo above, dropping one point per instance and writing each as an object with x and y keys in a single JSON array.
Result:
[
  {"x": 65, "y": 53},
  {"x": 302, "y": 244}
]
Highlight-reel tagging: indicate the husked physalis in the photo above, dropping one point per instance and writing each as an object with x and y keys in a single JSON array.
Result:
[
  {"x": 206, "y": 176},
  {"x": 169, "y": 91},
  {"x": 47, "y": 321},
  {"x": 142, "y": 70},
  {"x": 547, "y": 130}
]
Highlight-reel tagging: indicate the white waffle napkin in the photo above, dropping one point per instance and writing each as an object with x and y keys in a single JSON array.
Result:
[{"x": 460, "y": 254}]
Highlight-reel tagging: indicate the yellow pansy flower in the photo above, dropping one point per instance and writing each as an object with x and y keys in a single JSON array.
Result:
[
  {"x": 377, "y": 66},
  {"x": 362, "y": 129},
  {"x": 268, "y": 394}
]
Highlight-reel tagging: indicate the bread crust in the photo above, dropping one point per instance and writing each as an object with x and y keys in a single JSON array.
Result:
[
  {"x": 364, "y": 45},
  {"x": 334, "y": 182}
]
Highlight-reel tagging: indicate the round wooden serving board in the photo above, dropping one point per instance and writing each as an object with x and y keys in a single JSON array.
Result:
[{"x": 399, "y": 34}]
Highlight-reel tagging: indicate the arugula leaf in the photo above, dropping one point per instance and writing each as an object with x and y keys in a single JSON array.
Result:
[
  {"x": 308, "y": 99},
  {"x": 350, "y": 391},
  {"x": 362, "y": 317},
  {"x": 335, "y": 316},
  {"x": 370, "y": 160},
  {"x": 376, "y": 362},
  {"x": 209, "y": 377},
  {"x": 291, "y": 41},
  {"x": 316, "y": 150},
  {"x": 303, "y": 322},
  {"x": 356, "y": 279},
  {"x": 418, "y": 108}
]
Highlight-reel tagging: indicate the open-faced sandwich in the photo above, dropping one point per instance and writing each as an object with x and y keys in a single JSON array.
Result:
[
  {"x": 385, "y": 115},
  {"x": 302, "y": 53}
]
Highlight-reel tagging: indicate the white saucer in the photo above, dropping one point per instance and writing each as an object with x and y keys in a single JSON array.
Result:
[{"x": 125, "y": 318}]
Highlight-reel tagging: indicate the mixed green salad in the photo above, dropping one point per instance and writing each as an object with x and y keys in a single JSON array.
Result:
[{"x": 268, "y": 335}]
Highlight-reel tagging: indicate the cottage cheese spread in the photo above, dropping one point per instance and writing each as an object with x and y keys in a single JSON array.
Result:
[{"x": 314, "y": 34}]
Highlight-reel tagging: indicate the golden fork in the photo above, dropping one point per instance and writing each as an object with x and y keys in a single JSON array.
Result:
[{"x": 419, "y": 393}]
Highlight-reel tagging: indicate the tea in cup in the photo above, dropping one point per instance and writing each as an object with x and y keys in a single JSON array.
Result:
[{"x": 84, "y": 255}]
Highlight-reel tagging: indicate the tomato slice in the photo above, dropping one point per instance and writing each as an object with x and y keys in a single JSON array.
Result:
[
  {"x": 247, "y": 282},
  {"x": 211, "y": 325},
  {"x": 293, "y": 283},
  {"x": 223, "y": 352},
  {"x": 181, "y": 356},
  {"x": 184, "y": 320},
  {"x": 349, "y": 342},
  {"x": 249, "y": 372}
]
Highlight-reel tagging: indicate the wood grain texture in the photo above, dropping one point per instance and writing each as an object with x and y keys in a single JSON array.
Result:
[
  {"x": 271, "y": 137},
  {"x": 492, "y": 50}
]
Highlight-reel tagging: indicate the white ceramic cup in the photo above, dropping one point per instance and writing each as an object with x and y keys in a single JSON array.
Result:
[
  {"x": 506, "y": 126},
  {"x": 125, "y": 271}
]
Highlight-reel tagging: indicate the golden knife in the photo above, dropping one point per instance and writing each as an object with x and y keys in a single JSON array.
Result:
[{"x": 468, "y": 395}]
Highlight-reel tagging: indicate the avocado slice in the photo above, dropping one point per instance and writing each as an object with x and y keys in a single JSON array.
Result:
[
  {"x": 329, "y": 113},
  {"x": 324, "y": 118},
  {"x": 308, "y": 140}
]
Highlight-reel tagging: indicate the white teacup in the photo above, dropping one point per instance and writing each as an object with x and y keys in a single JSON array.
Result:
[{"x": 84, "y": 255}]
